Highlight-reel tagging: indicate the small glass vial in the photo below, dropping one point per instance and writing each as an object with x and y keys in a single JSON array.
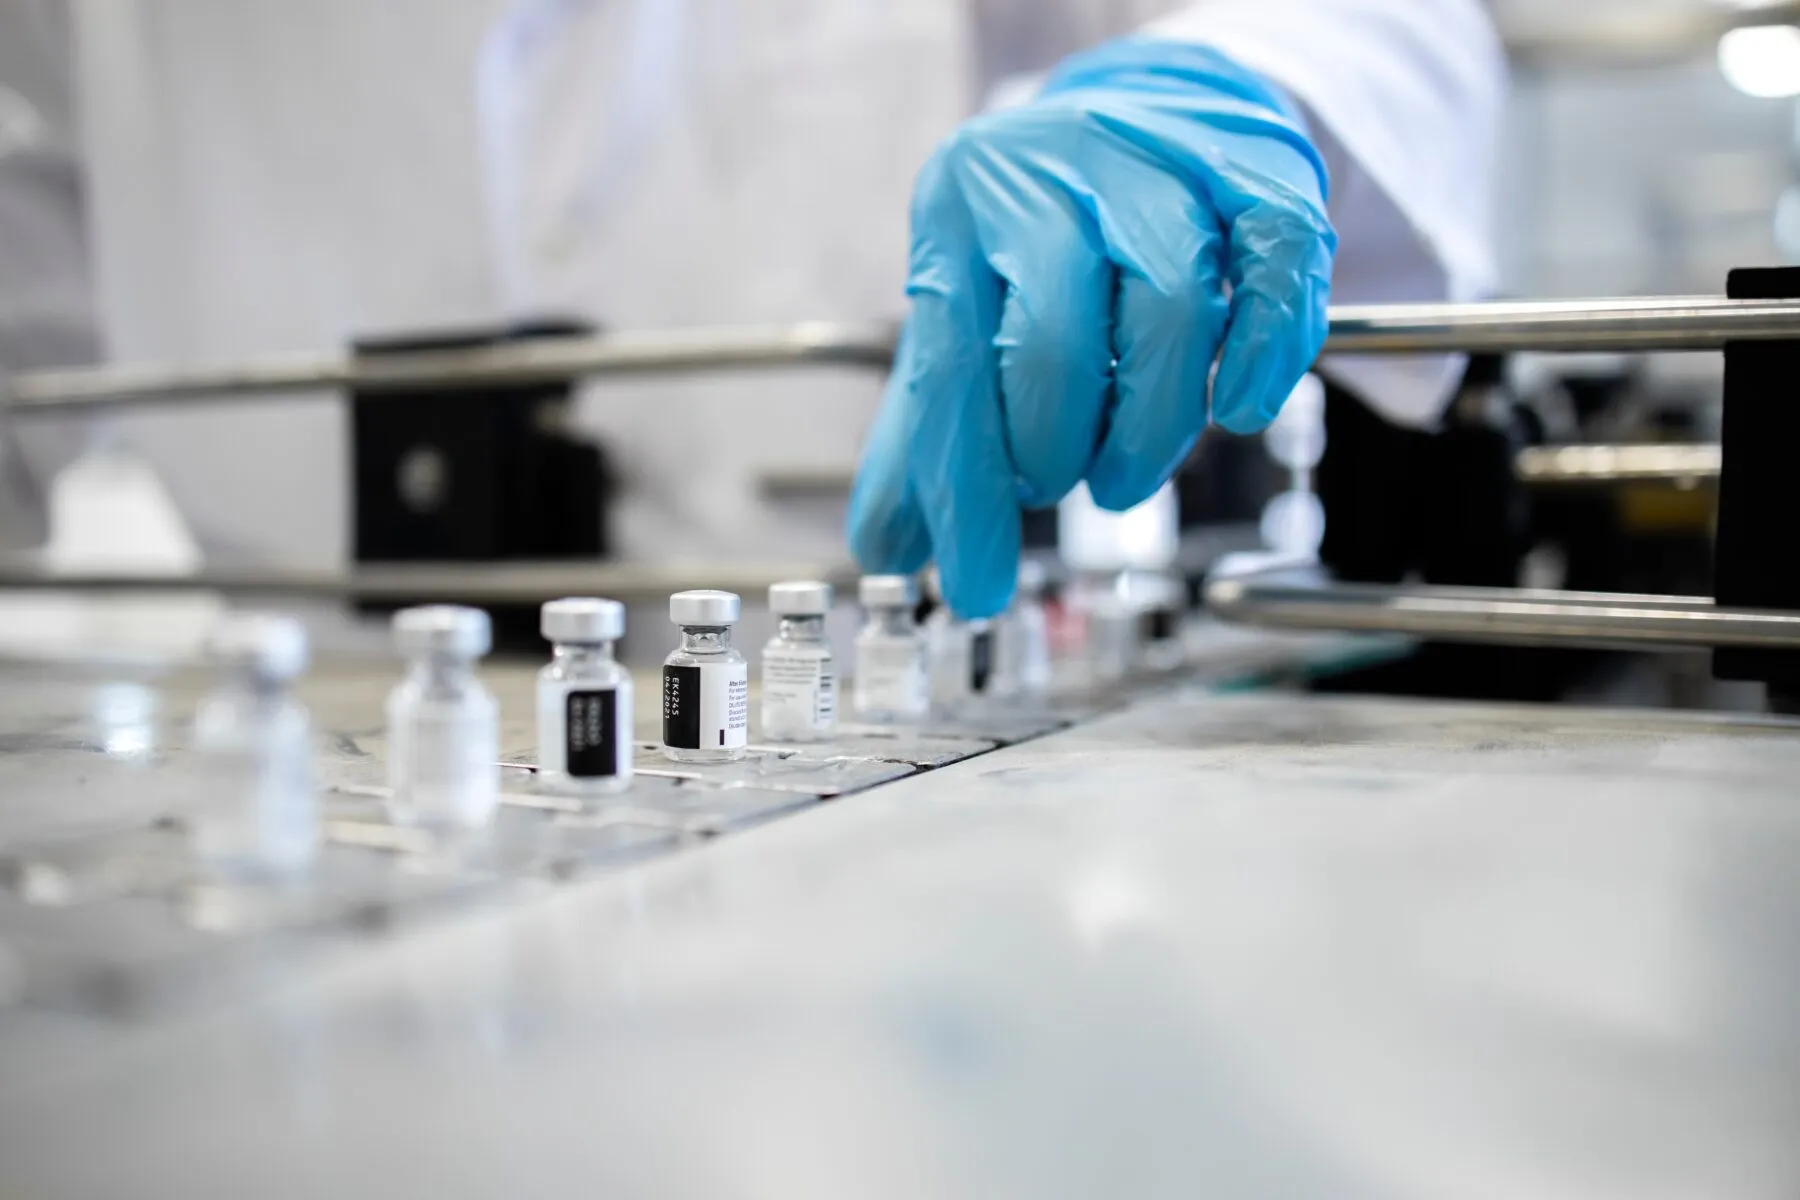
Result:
[
  {"x": 706, "y": 684},
  {"x": 890, "y": 652},
  {"x": 1022, "y": 636},
  {"x": 257, "y": 813},
  {"x": 584, "y": 699},
  {"x": 443, "y": 725},
  {"x": 799, "y": 678},
  {"x": 959, "y": 655}
]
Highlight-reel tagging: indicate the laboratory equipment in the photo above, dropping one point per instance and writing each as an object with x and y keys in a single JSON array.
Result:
[
  {"x": 799, "y": 678},
  {"x": 706, "y": 683},
  {"x": 584, "y": 699},
  {"x": 443, "y": 724},
  {"x": 255, "y": 810},
  {"x": 890, "y": 683}
]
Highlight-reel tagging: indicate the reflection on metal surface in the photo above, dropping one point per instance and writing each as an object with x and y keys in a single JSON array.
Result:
[
  {"x": 1294, "y": 600},
  {"x": 1678, "y": 464},
  {"x": 1678, "y": 323}
]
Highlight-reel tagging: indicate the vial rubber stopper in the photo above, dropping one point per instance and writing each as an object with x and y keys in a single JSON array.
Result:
[
  {"x": 705, "y": 608},
  {"x": 443, "y": 629},
  {"x": 583, "y": 620},
  {"x": 809, "y": 598}
]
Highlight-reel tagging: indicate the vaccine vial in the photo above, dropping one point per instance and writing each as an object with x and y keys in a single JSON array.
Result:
[
  {"x": 257, "y": 809},
  {"x": 959, "y": 655},
  {"x": 443, "y": 725},
  {"x": 890, "y": 652},
  {"x": 1022, "y": 637},
  {"x": 706, "y": 684},
  {"x": 584, "y": 699},
  {"x": 799, "y": 678}
]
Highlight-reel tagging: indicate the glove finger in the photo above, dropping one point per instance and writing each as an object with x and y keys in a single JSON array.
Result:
[
  {"x": 961, "y": 473},
  {"x": 887, "y": 531},
  {"x": 1281, "y": 286},
  {"x": 1170, "y": 247},
  {"x": 1055, "y": 335}
]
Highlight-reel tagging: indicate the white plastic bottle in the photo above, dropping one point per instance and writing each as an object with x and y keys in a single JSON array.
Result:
[
  {"x": 584, "y": 699},
  {"x": 799, "y": 678},
  {"x": 706, "y": 683},
  {"x": 443, "y": 725},
  {"x": 890, "y": 682},
  {"x": 257, "y": 810}
]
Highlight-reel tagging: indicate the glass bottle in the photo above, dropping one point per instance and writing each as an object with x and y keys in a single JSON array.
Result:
[
  {"x": 443, "y": 725},
  {"x": 890, "y": 682},
  {"x": 706, "y": 683},
  {"x": 799, "y": 678},
  {"x": 257, "y": 810},
  {"x": 584, "y": 699}
]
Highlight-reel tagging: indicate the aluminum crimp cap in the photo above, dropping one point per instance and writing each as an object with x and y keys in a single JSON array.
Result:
[
  {"x": 705, "y": 608},
  {"x": 442, "y": 629},
  {"x": 265, "y": 645},
  {"x": 887, "y": 591},
  {"x": 806, "y": 598},
  {"x": 583, "y": 620}
]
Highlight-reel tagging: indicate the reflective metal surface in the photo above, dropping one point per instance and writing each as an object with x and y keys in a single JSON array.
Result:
[
  {"x": 1681, "y": 323},
  {"x": 1251, "y": 947},
  {"x": 1302, "y": 600},
  {"x": 1673, "y": 463}
]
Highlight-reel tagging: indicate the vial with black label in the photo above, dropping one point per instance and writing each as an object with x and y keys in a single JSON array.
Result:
[
  {"x": 959, "y": 655},
  {"x": 706, "y": 684},
  {"x": 584, "y": 699},
  {"x": 443, "y": 725},
  {"x": 799, "y": 678},
  {"x": 256, "y": 807},
  {"x": 890, "y": 682}
]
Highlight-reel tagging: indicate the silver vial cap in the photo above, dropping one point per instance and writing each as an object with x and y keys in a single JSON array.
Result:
[
  {"x": 264, "y": 645},
  {"x": 446, "y": 629},
  {"x": 583, "y": 620},
  {"x": 887, "y": 591},
  {"x": 808, "y": 598},
  {"x": 705, "y": 608}
]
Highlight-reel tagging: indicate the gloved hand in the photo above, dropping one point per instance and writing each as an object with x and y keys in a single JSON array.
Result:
[{"x": 1078, "y": 266}]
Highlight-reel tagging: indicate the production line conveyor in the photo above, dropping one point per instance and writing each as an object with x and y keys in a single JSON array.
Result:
[{"x": 1151, "y": 941}]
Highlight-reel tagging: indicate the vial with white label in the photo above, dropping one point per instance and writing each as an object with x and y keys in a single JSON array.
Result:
[
  {"x": 799, "y": 678},
  {"x": 584, "y": 699},
  {"x": 890, "y": 680},
  {"x": 706, "y": 684},
  {"x": 443, "y": 725},
  {"x": 256, "y": 811}
]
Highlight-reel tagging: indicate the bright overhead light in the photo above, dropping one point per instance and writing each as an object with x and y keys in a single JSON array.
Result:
[{"x": 1762, "y": 60}]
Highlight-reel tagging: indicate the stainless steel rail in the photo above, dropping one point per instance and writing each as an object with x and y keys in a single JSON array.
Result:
[
  {"x": 475, "y": 583},
  {"x": 541, "y": 361},
  {"x": 1678, "y": 464},
  {"x": 1298, "y": 600},
  {"x": 1688, "y": 323}
]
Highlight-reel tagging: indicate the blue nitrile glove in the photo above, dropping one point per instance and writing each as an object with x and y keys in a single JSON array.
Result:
[{"x": 1078, "y": 265}]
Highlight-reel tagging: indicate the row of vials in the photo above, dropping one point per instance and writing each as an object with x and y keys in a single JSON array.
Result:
[{"x": 259, "y": 807}]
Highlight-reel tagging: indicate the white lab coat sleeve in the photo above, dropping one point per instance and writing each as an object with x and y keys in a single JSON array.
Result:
[{"x": 1405, "y": 98}]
